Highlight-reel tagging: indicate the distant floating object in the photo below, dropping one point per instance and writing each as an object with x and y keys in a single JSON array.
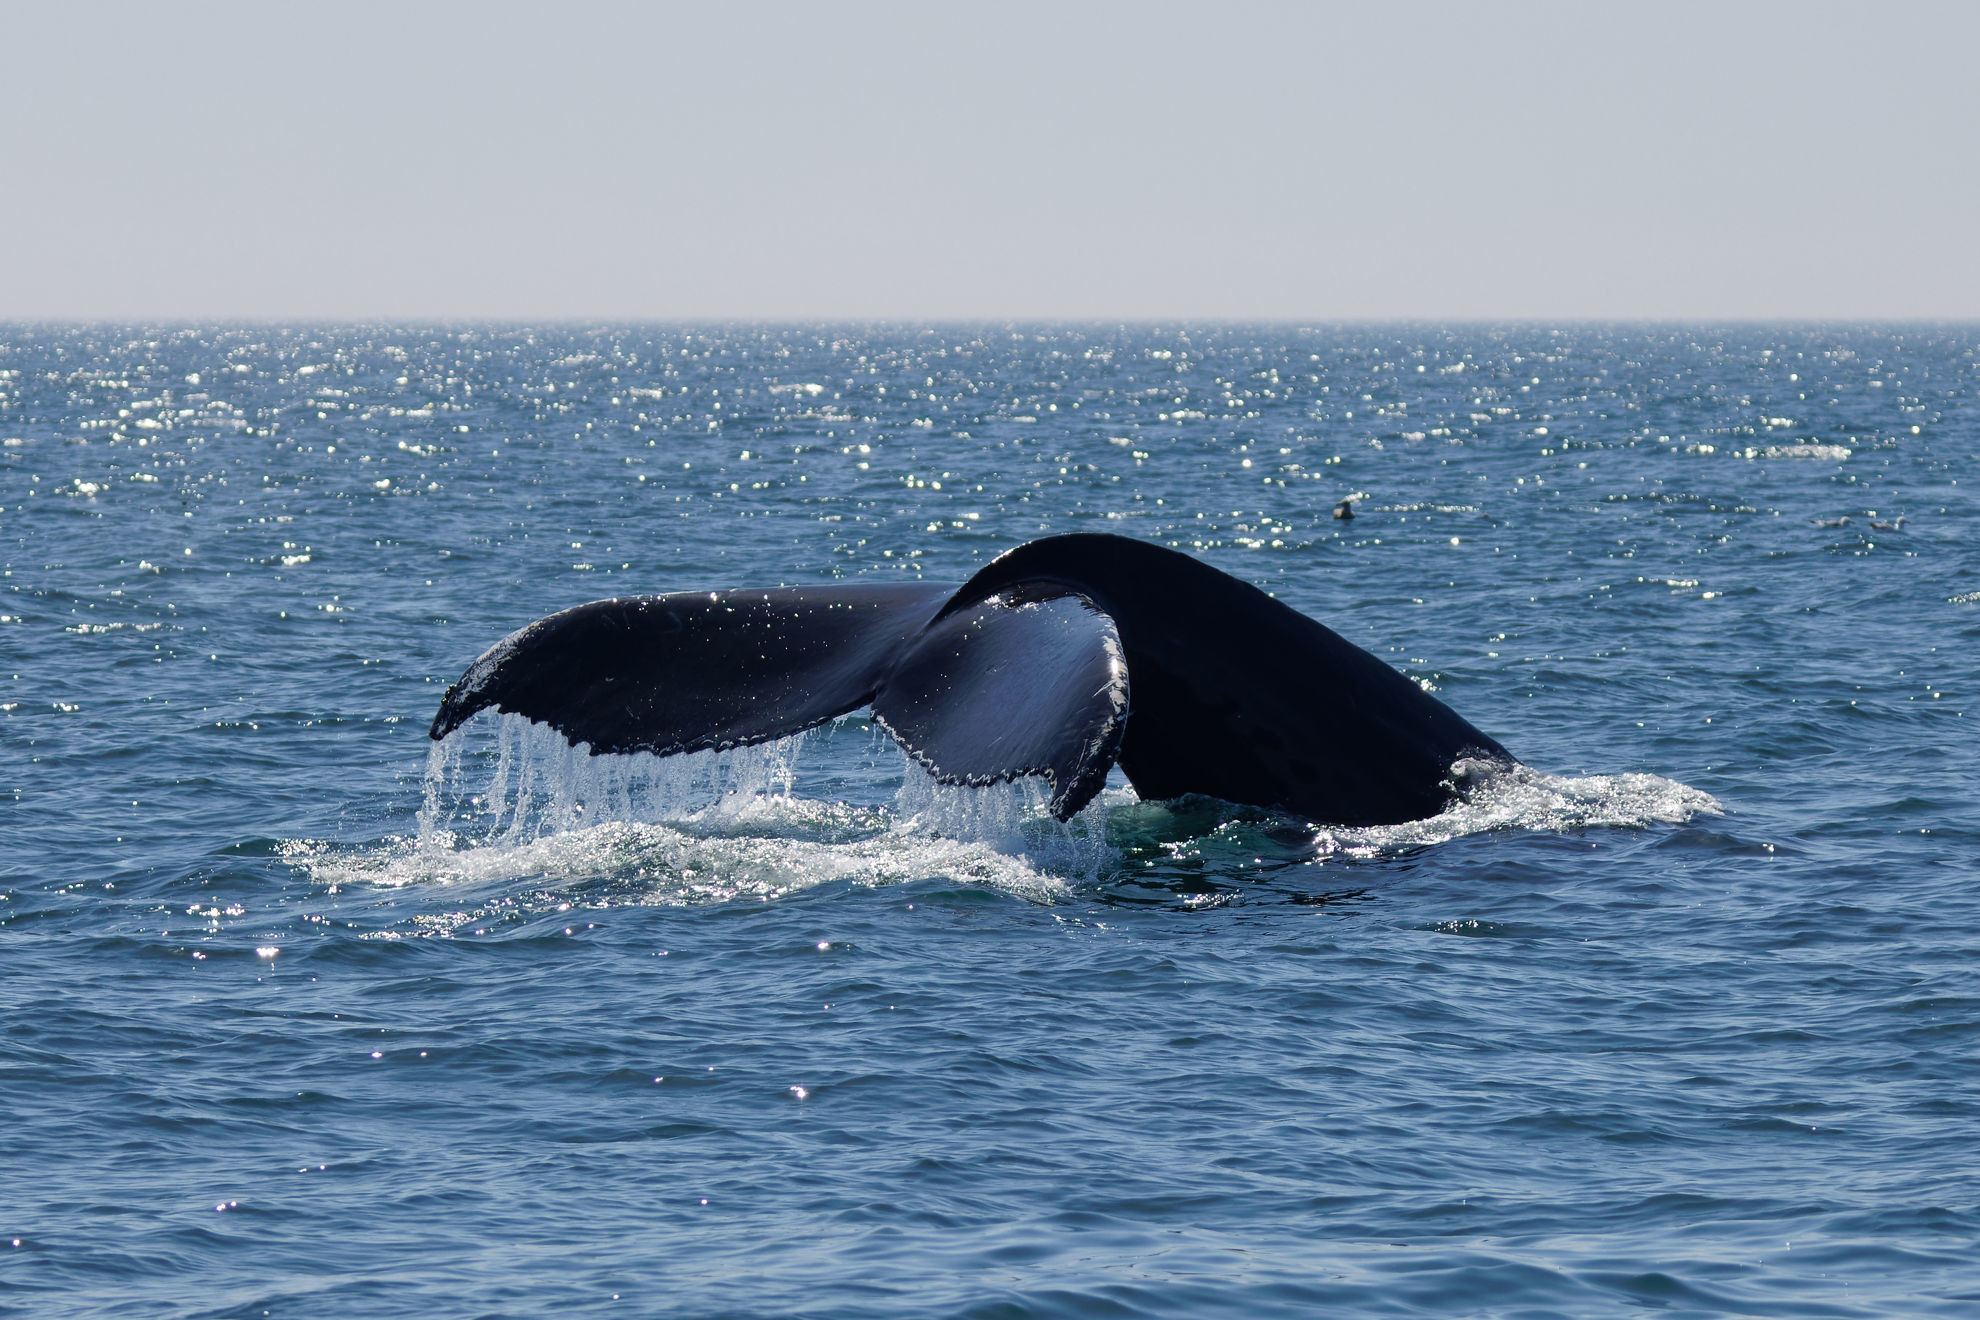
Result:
[
  {"x": 1344, "y": 510},
  {"x": 1834, "y": 522},
  {"x": 1897, "y": 526}
]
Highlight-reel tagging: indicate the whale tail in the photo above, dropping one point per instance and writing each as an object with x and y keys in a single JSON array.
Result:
[{"x": 1060, "y": 658}]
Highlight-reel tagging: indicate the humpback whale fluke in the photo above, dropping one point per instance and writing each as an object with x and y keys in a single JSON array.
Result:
[{"x": 1058, "y": 659}]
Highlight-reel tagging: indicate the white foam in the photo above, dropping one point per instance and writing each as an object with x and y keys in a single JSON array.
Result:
[
  {"x": 1013, "y": 818},
  {"x": 650, "y": 863},
  {"x": 1836, "y": 453},
  {"x": 1495, "y": 797},
  {"x": 506, "y": 800}
]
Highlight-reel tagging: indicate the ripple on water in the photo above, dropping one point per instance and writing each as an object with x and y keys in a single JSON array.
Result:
[{"x": 794, "y": 1032}]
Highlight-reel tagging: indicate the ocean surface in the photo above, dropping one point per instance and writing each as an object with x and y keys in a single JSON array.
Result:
[{"x": 308, "y": 1017}]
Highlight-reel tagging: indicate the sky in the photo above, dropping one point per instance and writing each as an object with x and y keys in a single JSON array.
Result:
[{"x": 960, "y": 161}]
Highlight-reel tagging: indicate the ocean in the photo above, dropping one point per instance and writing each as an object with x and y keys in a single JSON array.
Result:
[{"x": 307, "y": 1016}]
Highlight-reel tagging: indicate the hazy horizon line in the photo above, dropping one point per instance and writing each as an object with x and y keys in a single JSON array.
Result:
[{"x": 13, "y": 322}]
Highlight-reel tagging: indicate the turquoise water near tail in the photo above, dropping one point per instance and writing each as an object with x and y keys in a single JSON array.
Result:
[{"x": 308, "y": 1017}]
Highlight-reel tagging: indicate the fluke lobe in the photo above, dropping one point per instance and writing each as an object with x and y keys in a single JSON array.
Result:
[{"x": 1058, "y": 659}]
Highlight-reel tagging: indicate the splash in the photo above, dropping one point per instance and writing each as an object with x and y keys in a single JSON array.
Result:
[
  {"x": 505, "y": 800},
  {"x": 532, "y": 783},
  {"x": 1496, "y": 797},
  {"x": 649, "y": 863},
  {"x": 1013, "y": 818},
  {"x": 1835, "y": 453},
  {"x": 508, "y": 805}
]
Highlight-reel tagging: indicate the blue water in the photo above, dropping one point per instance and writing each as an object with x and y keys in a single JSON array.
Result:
[{"x": 303, "y": 1022}]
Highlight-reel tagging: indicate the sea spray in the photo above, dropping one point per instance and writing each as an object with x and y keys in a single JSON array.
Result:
[
  {"x": 1011, "y": 817},
  {"x": 504, "y": 798},
  {"x": 1518, "y": 797},
  {"x": 504, "y": 778}
]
